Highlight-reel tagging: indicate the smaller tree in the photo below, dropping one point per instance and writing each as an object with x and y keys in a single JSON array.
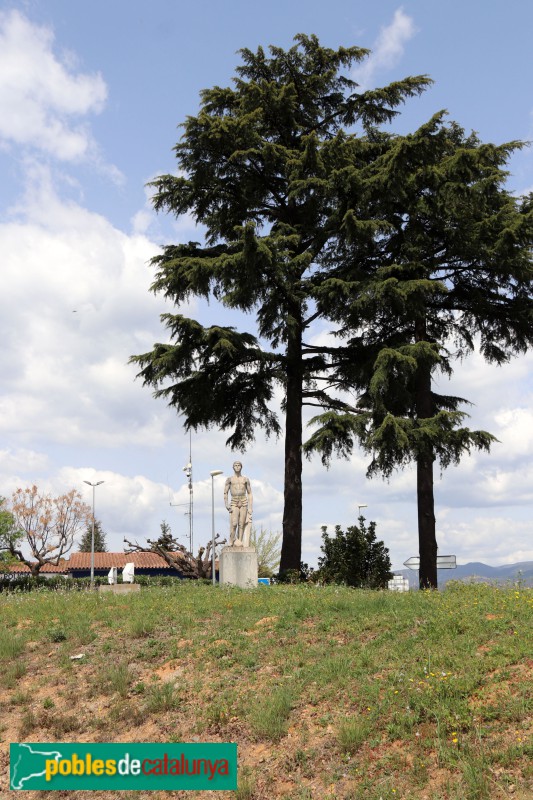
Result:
[
  {"x": 46, "y": 524},
  {"x": 100, "y": 545},
  {"x": 268, "y": 549},
  {"x": 10, "y": 537},
  {"x": 166, "y": 539},
  {"x": 354, "y": 557},
  {"x": 176, "y": 555}
]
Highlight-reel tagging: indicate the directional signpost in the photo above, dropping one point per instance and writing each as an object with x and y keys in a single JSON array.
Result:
[{"x": 443, "y": 562}]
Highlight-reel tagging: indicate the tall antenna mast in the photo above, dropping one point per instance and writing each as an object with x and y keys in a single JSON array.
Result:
[
  {"x": 188, "y": 472},
  {"x": 191, "y": 503}
]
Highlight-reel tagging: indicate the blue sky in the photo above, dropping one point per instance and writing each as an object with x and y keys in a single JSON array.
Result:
[{"x": 91, "y": 95}]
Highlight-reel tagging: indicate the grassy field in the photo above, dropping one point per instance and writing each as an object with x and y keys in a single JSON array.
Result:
[{"x": 329, "y": 692}]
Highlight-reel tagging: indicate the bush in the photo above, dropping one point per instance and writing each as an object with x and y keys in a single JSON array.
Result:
[
  {"x": 305, "y": 574},
  {"x": 354, "y": 557}
]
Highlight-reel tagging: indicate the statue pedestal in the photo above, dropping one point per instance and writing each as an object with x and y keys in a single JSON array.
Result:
[
  {"x": 238, "y": 567},
  {"x": 120, "y": 588}
]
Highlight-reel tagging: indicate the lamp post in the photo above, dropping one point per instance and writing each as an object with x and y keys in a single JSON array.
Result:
[
  {"x": 360, "y": 506},
  {"x": 188, "y": 474},
  {"x": 92, "y": 535},
  {"x": 213, "y": 473}
]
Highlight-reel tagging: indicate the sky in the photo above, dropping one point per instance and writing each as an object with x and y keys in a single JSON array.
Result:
[{"x": 91, "y": 97}]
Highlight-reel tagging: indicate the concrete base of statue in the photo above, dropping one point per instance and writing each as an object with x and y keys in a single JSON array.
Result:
[
  {"x": 120, "y": 588},
  {"x": 238, "y": 567}
]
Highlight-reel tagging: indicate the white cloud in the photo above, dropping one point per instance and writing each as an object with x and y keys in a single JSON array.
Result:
[
  {"x": 133, "y": 507},
  {"x": 164, "y": 226},
  {"x": 514, "y": 428},
  {"x": 76, "y": 303},
  {"x": 492, "y": 539},
  {"x": 21, "y": 460},
  {"x": 387, "y": 50},
  {"x": 74, "y": 307},
  {"x": 41, "y": 98}
]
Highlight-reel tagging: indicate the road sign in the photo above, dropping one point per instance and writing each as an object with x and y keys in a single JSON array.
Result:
[
  {"x": 446, "y": 562},
  {"x": 443, "y": 562}
]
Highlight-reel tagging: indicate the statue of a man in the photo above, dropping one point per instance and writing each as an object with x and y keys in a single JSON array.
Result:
[{"x": 240, "y": 507}]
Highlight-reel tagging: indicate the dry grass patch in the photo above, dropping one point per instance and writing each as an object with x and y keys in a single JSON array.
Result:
[{"x": 371, "y": 695}]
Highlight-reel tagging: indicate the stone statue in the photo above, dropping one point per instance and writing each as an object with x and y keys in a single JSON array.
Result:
[{"x": 240, "y": 507}]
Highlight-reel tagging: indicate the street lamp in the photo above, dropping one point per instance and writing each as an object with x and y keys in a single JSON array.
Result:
[
  {"x": 360, "y": 506},
  {"x": 92, "y": 535},
  {"x": 188, "y": 474},
  {"x": 213, "y": 473}
]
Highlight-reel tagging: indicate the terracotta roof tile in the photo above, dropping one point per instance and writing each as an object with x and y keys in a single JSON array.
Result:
[
  {"x": 80, "y": 561},
  {"x": 61, "y": 568}
]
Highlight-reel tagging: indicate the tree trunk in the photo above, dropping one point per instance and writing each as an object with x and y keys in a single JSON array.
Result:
[
  {"x": 291, "y": 547},
  {"x": 427, "y": 540}
]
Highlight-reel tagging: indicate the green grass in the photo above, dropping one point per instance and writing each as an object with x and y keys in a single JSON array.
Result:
[
  {"x": 162, "y": 697},
  {"x": 352, "y": 733},
  {"x": 11, "y": 674},
  {"x": 114, "y": 678},
  {"x": 338, "y": 693},
  {"x": 11, "y": 645},
  {"x": 269, "y": 717}
]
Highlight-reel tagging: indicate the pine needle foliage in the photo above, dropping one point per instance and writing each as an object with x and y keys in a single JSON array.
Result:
[
  {"x": 100, "y": 545},
  {"x": 268, "y": 166},
  {"x": 450, "y": 271}
]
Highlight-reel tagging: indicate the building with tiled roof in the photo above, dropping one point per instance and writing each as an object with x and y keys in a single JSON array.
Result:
[
  {"x": 79, "y": 565},
  {"x": 104, "y": 561},
  {"x": 49, "y": 569}
]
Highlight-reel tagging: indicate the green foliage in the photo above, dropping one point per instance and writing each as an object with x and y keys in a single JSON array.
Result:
[
  {"x": 10, "y": 536},
  {"x": 99, "y": 538},
  {"x": 450, "y": 270},
  {"x": 451, "y": 267},
  {"x": 302, "y": 575},
  {"x": 354, "y": 557},
  {"x": 268, "y": 551},
  {"x": 6, "y": 561},
  {"x": 268, "y": 169},
  {"x": 166, "y": 540}
]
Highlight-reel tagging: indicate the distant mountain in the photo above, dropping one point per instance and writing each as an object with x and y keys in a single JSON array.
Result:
[{"x": 477, "y": 571}]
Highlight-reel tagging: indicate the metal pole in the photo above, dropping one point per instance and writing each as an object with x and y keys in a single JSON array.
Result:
[
  {"x": 213, "y": 473},
  {"x": 213, "y": 527},
  {"x": 191, "y": 502},
  {"x": 94, "y": 485},
  {"x": 92, "y": 545}
]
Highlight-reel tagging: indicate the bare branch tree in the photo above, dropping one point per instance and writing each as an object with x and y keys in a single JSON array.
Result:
[
  {"x": 177, "y": 556},
  {"x": 49, "y": 525}
]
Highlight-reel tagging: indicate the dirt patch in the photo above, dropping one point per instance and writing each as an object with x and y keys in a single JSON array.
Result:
[{"x": 266, "y": 621}]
